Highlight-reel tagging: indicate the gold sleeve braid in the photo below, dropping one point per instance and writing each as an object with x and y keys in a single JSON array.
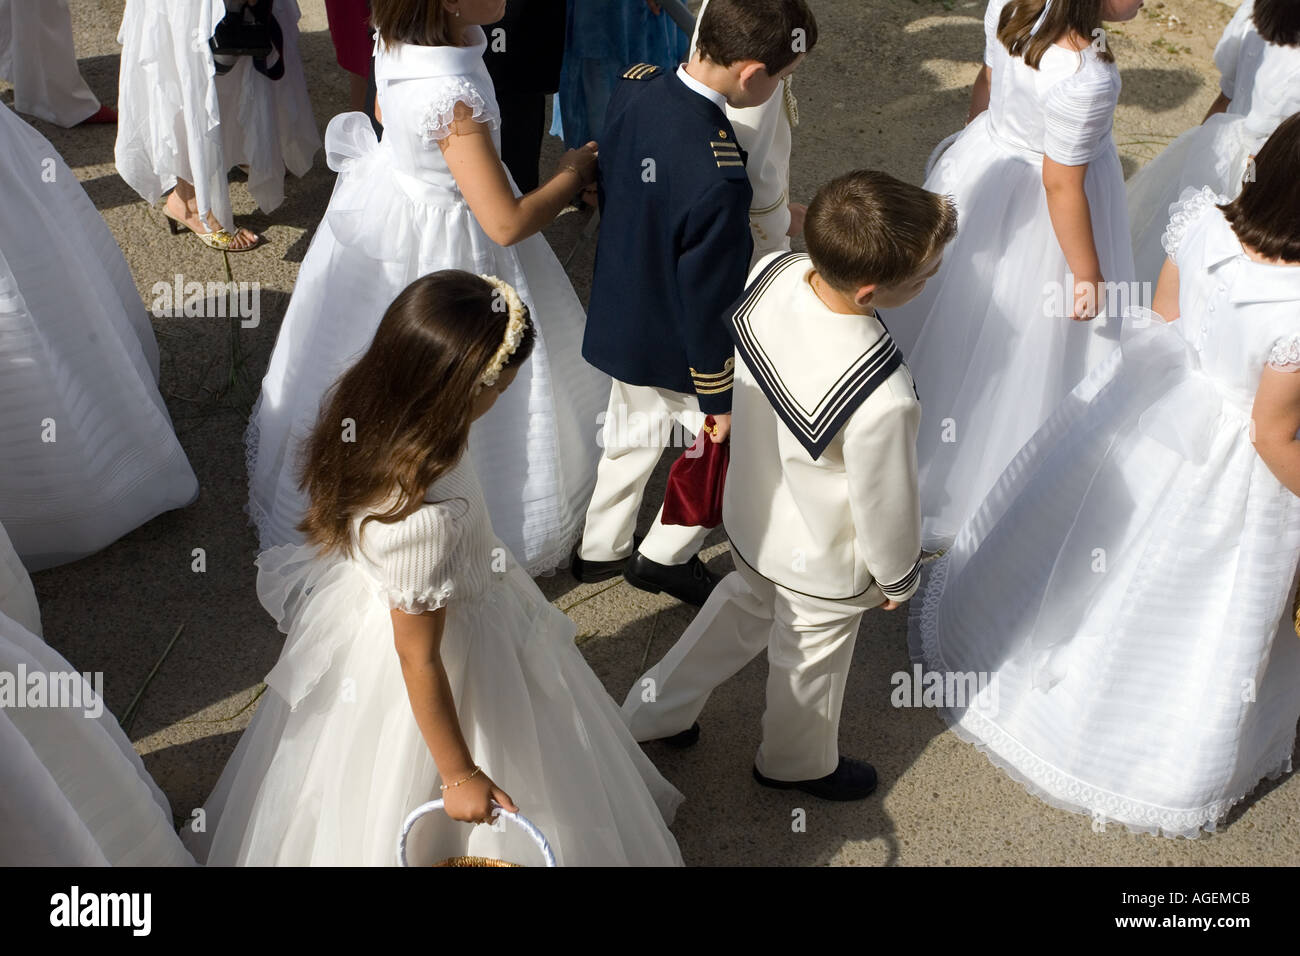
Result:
[{"x": 714, "y": 383}]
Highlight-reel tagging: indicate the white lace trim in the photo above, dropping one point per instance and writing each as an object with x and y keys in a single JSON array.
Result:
[
  {"x": 1191, "y": 205},
  {"x": 419, "y": 601},
  {"x": 441, "y": 113},
  {"x": 1285, "y": 356},
  {"x": 1041, "y": 779}
]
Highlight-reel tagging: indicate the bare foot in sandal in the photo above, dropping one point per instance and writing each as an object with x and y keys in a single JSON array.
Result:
[{"x": 182, "y": 211}]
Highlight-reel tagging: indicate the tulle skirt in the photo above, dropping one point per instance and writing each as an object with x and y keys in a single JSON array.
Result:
[
  {"x": 1124, "y": 594},
  {"x": 536, "y": 450},
  {"x": 333, "y": 760},
  {"x": 86, "y": 443},
  {"x": 1215, "y": 154},
  {"x": 987, "y": 341}
]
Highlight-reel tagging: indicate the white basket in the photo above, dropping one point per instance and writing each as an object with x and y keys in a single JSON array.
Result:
[{"x": 517, "y": 819}]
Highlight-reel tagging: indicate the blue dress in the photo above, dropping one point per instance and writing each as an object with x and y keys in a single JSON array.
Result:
[{"x": 602, "y": 39}]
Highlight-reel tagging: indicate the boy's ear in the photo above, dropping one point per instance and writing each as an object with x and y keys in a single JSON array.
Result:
[
  {"x": 862, "y": 298},
  {"x": 748, "y": 70}
]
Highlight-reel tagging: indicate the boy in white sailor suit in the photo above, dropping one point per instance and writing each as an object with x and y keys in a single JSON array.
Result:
[
  {"x": 764, "y": 132},
  {"x": 821, "y": 501},
  {"x": 672, "y": 256}
]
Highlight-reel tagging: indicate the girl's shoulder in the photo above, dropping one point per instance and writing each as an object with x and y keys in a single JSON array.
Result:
[{"x": 1194, "y": 214}]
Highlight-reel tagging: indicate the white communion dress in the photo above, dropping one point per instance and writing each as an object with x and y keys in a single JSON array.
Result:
[
  {"x": 1126, "y": 587},
  {"x": 73, "y": 792},
  {"x": 397, "y": 214},
  {"x": 87, "y": 450},
  {"x": 178, "y": 120},
  {"x": 1263, "y": 81},
  {"x": 333, "y": 760},
  {"x": 988, "y": 340}
]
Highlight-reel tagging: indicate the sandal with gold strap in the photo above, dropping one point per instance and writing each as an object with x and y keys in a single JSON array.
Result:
[{"x": 221, "y": 240}]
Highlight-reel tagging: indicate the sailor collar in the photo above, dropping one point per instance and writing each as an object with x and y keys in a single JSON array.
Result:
[
  {"x": 406, "y": 61},
  {"x": 1253, "y": 281},
  {"x": 779, "y": 324}
]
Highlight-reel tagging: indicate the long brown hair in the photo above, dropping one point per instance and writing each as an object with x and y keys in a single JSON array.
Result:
[
  {"x": 418, "y": 22},
  {"x": 399, "y": 418},
  {"x": 1266, "y": 215},
  {"x": 1082, "y": 17}
]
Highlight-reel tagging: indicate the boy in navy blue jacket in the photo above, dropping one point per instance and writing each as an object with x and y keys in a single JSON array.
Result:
[{"x": 672, "y": 256}]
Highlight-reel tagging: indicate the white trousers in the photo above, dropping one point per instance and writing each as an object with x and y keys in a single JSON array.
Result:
[
  {"x": 37, "y": 56},
  {"x": 809, "y": 645},
  {"x": 638, "y": 424}
]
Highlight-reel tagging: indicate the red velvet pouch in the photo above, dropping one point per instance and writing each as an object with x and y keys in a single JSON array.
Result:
[{"x": 695, "y": 481}]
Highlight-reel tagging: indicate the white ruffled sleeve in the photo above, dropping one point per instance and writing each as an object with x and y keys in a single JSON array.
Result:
[
  {"x": 1285, "y": 355},
  {"x": 416, "y": 557},
  {"x": 1080, "y": 113},
  {"x": 435, "y": 124},
  {"x": 1228, "y": 51},
  {"x": 1191, "y": 206}
]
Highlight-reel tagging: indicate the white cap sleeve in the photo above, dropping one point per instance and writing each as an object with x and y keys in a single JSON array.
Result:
[
  {"x": 435, "y": 125},
  {"x": 416, "y": 556},
  {"x": 1080, "y": 112},
  {"x": 1285, "y": 355},
  {"x": 1190, "y": 207}
]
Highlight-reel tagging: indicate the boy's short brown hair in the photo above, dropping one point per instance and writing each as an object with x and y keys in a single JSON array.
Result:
[
  {"x": 773, "y": 32},
  {"x": 1277, "y": 21},
  {"x": 866, "y": 227}
]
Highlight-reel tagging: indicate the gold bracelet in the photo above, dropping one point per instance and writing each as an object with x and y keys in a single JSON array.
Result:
[
  {"x": 446, "y": 786},
  {"x": 577, "y": 172}
]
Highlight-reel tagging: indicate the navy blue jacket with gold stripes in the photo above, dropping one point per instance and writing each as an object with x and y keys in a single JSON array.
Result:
[{"x": 674, "y": 243}]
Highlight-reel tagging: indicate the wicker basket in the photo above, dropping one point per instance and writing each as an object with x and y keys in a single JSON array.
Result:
[{"x": 517, "y": 819}]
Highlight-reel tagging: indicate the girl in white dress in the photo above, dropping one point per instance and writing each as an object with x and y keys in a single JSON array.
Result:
[
  {"x": 434, "y": 195},
  {"x": 1259, "y": 59},
  {"x": 486, "y": 690},
  {"x": 182, "y": 127},
  {"x": 86, "y": 443},
  {"x": 73, "y": 792},
  {"x": 1127, "y": 586},
  {"x": 1000, "y": 335}
]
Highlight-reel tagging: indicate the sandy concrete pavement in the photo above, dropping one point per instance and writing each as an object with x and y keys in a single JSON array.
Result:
[{"x": 888, "y": 80}]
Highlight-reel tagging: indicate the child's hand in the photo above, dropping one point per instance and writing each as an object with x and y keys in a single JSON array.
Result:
[
  {"x": 797, "y": 213},
  {"x": 721, "y": 428},
  {"x": 471, "y": 802},
  {"x": 889, "y": 605},
  {"x": 581, "y": 161},
  {"x": 1089, "y": 293}
]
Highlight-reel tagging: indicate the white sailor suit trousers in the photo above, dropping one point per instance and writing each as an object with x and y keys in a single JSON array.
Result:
[
  {"x": 809, "y": 644},
  {"x": 639, "y": 423},
  {"x": 38, "y": 57}
]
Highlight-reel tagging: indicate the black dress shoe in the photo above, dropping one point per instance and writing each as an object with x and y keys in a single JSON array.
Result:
[
  {"x": 590, "y": 572},
  {"x": 691, "y": 582},
  {"x": 851, "y": 780},
  {"x": 687, "y": 738}
]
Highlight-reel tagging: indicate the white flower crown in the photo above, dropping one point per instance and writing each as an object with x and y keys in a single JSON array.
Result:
[{"x": 514, "y": 330}]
